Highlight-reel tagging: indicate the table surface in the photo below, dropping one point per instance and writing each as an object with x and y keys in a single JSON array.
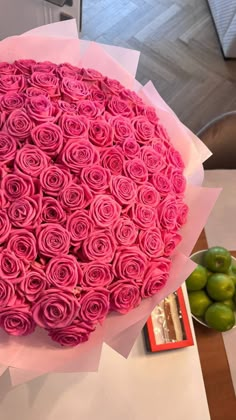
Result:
[
  {"x": 215, "y": 368},
  {"x": 155, "y": 387}
]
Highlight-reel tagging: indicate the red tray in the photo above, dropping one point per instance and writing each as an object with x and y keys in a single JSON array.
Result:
[{"x": 167, "y": 325}]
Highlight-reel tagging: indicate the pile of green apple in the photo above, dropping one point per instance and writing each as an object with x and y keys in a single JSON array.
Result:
[{"x": 212, "y": 289}]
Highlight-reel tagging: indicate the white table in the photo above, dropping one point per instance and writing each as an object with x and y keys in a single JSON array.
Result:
[{"x": 161, "y": 386}]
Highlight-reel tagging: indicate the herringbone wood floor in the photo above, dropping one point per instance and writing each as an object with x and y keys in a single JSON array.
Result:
[{"x": 179, "y": 48}]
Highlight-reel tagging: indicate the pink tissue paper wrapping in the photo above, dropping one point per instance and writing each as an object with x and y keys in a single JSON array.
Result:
[{"x": 35, "y": 355}]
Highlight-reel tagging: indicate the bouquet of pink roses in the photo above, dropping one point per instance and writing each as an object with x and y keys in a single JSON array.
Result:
[{"x": 93, "y": 200}]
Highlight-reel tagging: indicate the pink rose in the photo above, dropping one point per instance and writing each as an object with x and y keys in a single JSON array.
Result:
[
  {"x": 79, "y": 154},
  {"x": 94, "y": 305},
  {"x": 7, "y": 68},
  {"x": 69, "y": 71},
  {"x": 41, "y": 109},
  {"x": 45, "y": 81},
  {"x": 80, "y": 225},
  {"x": 163, "y": 264},
  {"x": 15, "y": 186},
  {"x": 151, "y": 115},
  {"x": 55, "y": 309},
  {"x": 168, "y": 212},
  {"x": 161, "y": 133},
  {"x": 17, "y": 320},
  {"x": 11, "y": 267},
  {"x": 174, "y": 157},
  {"x": 118, "y": 107},
  {"x": 99, "y": 245},
  {"x": 162, "y": 183},
  {"x": 124, "y": 189},
  {"x": 143, "y": 129},
  {"x": 151, "y": 243},
  {"x": 144, "y": 216},
  {"x": 89, "y": 109},
  {"x": 53, "y": 179},
  {"x": 111, "y": 86},
  {"x": 182, "y": 213},
  {"x": 73, "y": 335},
  {"x": 96, "y": 274},
  {"x": 23, "y": 244},
  {"x": 75, "y": 196},
  {"x": 148, "y": 195},
  {"x": 31, "y": 160},
  {"x": 100, "y": 133},
  {"x": 73, "y": 90},
  {"x": 178, "y": 182},
  {"x": 154, "y": 280},
  {"x": 19, "y": 125},
  {"x": 112, "y": 158},
  {"x": 52, "y": 212},
  {"x": 91, "y": 75},
  {"x": 131, "y": 148},
  {"x": 12, "y": 83},
  {"x": 96, "y": 178},
  {"x": 7, "y": 148},
  {"x": 64, "y": 272},
  {"x": 7, "y": 294},
  {"x": 104, "y": 210},
  {"x": 24, "y": 212},
  {"x": 131, "y": 96},
  {"x": 124, "y": 296},
  {"x": 136, "y": 170},
  {"x": 130, "y": 263},
  {"x": 48, "y": 137},
  {"x": 70, "y": 108},
  {"x": 44, "y": 67},
  {"x": 53, "y": 240},
  {"x": 5, "y": 226},
  {"x": 33, "y": 91},
  {"x": 139, "y": 109},
  {"x": 24, "y": 66},
  {"x": 122, "y": 129},
  {"x": 125, "y": 231},
  {"x": 160, "y": 147},
  {"x": 148, "y": 111},
  {"x": 97, "y": 95},
  {"x": 153, "y": 160},
  {"x": 34, "y": 283},
  {"x": 11, "y": 101},
  {"x": 74, "y": 126},
  {"x": 171, "y": 241}
]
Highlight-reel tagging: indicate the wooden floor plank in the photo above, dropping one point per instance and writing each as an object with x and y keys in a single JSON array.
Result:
[
  {"x": 160, "y": 20},
  {"x": 180, "y": 51}
]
